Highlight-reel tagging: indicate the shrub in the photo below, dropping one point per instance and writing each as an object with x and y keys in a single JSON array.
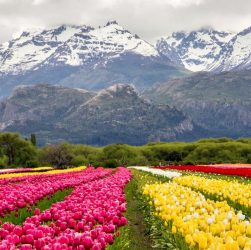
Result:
[{"x": 79, "y": 160}]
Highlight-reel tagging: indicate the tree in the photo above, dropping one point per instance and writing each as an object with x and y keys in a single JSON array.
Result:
[
  {"x": 120, "y": 153},
  {"x": 79, "y": 160},
  {"x": 33, "y": 140},
  {"x": 58, "y": 155},
  {"x": 17, "y": 150}
]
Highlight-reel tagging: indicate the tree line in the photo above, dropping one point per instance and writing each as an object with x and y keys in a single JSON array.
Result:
[{"x": 16, "y": 151}]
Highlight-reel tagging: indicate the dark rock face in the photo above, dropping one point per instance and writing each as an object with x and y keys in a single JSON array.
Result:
[
  {"x": 117, "y": 114},
  {"x": 220, "y": 102}
]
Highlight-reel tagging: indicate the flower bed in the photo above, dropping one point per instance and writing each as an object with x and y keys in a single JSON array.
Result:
[
  {"x": 168, "y": 174},
  {"x": 204, "y": 223},
  {"x": 34, "y": 188},
  {"x": 87, "y": 219},
  {"x": 231, "y": 190},
  {"x": 36, "y": 171},
  {"x": 233, "y": 170},
  {"x": 15, "y": 170}
]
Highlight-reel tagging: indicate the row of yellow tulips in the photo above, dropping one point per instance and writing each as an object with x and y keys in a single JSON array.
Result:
[
  {"x": 53, "y": 171},
  {"x": 204, "y": 223},
  {"x": 232, "y": 190}
]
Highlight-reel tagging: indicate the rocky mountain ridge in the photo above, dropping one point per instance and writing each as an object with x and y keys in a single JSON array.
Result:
[
  {"x": 117, "y": 114},
  {"x": 218, "y": 102},
  {"x": 208, "y": 49}
]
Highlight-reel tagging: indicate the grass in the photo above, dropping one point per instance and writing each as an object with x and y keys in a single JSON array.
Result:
[
  {"x": 133, "y": 236},
  {"x": 145, "y": 230},
  {"x": 18, "y": 217}
]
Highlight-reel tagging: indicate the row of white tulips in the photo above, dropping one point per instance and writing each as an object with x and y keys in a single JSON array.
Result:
[{"x": 166, "y": 173}]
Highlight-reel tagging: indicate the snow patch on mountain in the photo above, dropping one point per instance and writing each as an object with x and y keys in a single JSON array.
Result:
[
  {"x": 196, "y": 50},
  {"x": 107, "y": 42},
  {"x": 69, "y": 45},
  {"x": 238, "y": 52},
  {"x": 30, "y": 49},
  {"x": 208, "y": 49}
]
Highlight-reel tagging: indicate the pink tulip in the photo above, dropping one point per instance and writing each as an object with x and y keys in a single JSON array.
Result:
[
  {"x": 109, "y": 238},
  {"x": 36, "y": 211},
  {"x": 87, "y": 242},
  {"x": 63, "y": 240},
  {"x": 115, "y": 220},
  {"x": 97, "y": 246},
  {"x": 111, "y": 228},
  {"x": 77, "y": 215},
  {"x": 94, "y": 234},
  {"x": 39, "y": 243},
  {"x": 18, "y": 230},
  {"x": 123, "y": 221},
  {"x": 26, "y": 247}
]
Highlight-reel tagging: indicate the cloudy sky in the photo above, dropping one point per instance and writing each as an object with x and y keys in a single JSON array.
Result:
[{"x": 149, "y": 19}]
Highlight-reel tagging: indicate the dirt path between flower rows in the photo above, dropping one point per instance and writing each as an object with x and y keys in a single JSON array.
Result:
[{"x": 138, "y": 231}]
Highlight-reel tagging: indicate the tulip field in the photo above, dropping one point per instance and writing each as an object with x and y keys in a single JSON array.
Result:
[
  {"x": 124, "y": 208},
  {"x": 86, "y": 218},
  {"x": 188, "y": 210}
]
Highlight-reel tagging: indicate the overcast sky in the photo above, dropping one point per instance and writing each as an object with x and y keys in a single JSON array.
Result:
[{"x": 149, "y": 19}]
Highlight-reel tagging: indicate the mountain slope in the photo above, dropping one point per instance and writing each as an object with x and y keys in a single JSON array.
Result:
[
  {"x": 237, "y": 54},
  {"x": 117, "y": 114},
  {"x": 30, "y": 49},
  {"x": 208, "y": 49},
  {"x": 84, "y": 56},
  {"x": 219, "y": 102}
]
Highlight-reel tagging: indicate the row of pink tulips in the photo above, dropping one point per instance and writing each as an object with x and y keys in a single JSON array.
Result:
[
  {"x": 31, "y": 178},
  {"x": 87, "y": 219},
  {"x": 29, "y": 192}
]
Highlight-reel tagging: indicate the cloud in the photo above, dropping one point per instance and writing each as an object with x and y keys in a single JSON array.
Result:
[
  {"x": 181, "y": 3},
  {"x": 148, "y": 18}
]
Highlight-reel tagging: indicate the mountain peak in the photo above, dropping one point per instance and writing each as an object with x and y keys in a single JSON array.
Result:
[
  {"x": 245, "y": 31},
  {"x": 112, "y": 22},
  {"x": 119, "y": 87},
  {"x": 205, "y": 49},
  {"x": 117, "y": 90},
  {"x": 206, "y": 29}
]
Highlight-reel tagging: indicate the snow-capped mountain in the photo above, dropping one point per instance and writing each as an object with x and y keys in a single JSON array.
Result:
[
  {"x": 82, "y": 57},
  {"x": 32, "y": 48},
  {"x": 208, "y": 49},
  {"x": 69, "y": 45},
  {"x": 96, "y": 58},
  {"x": 237, "y": 54},
  {"x": 105, "y": 42}
]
